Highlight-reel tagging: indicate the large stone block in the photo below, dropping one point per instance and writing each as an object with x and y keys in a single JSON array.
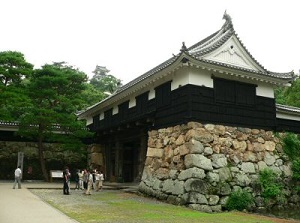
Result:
[
  {"x": 270, "y": 146},
  {"x": 197, "y": 185},
  {"x": 269, "y": 159},
  {"x": 225, "y": 174},
  {"x": 162, "y": 173},
  {"x": 219, "y": 160},
  {"x": 242, "y": 180},
  {"x": 154, "y": 152},
  {"x": 224, "y": 188},
  {"x": 192, "y": 173},
  {"x": 248, "y": 167},
  {"x": 180, "y": 140},
  {"x": 195, "y": 147},
  {"x": 213, "y": 199},
  {"x": 239, "y": 145},
  {"x": 213, "y": 177},
  {"x": 197, "y": 160},
  {"x": 97, "y": 158},
  {"x": 195, "y": 198},
  {"x": 178, "y": 188},
  {"x": 183, "y": 150},
  {"x": 200, "y": 207},
  {"x": 167, "y": 186}
]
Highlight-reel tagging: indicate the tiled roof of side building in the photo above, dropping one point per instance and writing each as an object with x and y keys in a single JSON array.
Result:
[{"x": 287, "y": 108}]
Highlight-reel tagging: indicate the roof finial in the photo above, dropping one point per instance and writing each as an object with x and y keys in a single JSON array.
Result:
[
  {"x": 228, "y": 23},
  {"x": 183, "y": 48}
]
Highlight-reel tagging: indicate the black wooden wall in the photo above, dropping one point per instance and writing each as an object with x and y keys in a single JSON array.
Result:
[
  {"x": 287, "y": 125},
  {"x": 229, "y": 103}
]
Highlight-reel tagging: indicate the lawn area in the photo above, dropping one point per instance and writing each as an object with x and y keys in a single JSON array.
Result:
[{"x": 117, "y": 206}]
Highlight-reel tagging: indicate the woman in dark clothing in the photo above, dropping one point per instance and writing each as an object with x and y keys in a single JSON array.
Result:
[{"x": 66, "y": 178}]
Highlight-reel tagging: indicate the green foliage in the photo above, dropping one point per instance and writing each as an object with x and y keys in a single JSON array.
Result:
[
  {"x": 291, "y": 145},
  {"x": 55, "y": 95},
  {"x": 13, "y": 71},
  {"x": 105, "y": 83},
  {"x": 271, "y": 185},
  {"x": 280, "y": 96},
  {"x": 239, "y": 200},
  {"x": 292, "y": 94},
  {"x": 91, "y": 96},
  {"x": 289, "y": 95},
  {"x": 13, "y": 67},
  {"x": 296, "y": 169}
]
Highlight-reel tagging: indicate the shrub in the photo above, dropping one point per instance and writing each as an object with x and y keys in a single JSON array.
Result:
[
  {"x": 239, "y": 200},
  {"x": 296, "y": 169},
  {"x": 291, "y": 145},
  {"x": 271, "y": 185}
]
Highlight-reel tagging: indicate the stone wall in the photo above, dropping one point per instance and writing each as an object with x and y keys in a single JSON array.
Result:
[
  {"x": 56, "y": 159},
  {"x": 96, "y": 157},
  {"x": 200, "y": 165}
]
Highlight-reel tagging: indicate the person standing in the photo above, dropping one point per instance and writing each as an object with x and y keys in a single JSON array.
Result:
[
  {"x": 90, "y": 183},
  {"x": 18, "y": 177},
  {"x": 97, "y": 180},
  {"x": 77, "y": 180},
  {"x": 66, "y": 178},
  {"x": 101, "y": 179},
  {"x": 80, "y": 176},
  {"x": 85, "y": 179}
]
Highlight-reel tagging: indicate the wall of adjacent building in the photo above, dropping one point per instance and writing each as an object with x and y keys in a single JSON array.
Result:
[
  {"x": 56, "y": 159},
  {"x": 201, "y": 165}
]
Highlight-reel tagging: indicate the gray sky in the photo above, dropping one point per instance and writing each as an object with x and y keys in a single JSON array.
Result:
[{"x": 130, "y": 37}]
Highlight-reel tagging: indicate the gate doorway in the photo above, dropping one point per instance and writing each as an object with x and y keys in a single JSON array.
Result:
[
  {"x": 130, "y": 161},
  {"x": 125, "y": 156}
]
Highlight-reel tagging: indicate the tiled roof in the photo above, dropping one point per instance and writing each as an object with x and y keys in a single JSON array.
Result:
[
  {"x": 287, "y": 108},
  {"x": 219, "y": 38},
  {"x": 140, "y": 78},
  {"x": 206, "y": 46},
  {"x": 197, "y": 51}
]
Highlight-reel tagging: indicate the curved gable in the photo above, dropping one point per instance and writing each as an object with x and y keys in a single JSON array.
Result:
[{"x": 233, "y": 54}]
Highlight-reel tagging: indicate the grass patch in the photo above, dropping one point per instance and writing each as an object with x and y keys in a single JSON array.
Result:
[{"x": 116, "y": 206}]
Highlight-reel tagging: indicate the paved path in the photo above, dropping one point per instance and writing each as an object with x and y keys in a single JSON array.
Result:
[{"x": 21, "y": 206}]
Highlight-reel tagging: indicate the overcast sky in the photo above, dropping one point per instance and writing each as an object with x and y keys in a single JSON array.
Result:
[{"x": 130, "y": 37}]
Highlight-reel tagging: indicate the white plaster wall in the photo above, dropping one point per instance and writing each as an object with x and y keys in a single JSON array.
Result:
[
  {"x": 180, "y": 78},
  {"x": 193, "y": 76},
  {"x": 89, "y": 120},
  {"x": 201, "y": 77},
  {"x": 101, "y": 116},
  {"x": 287, "y": 116},
  {"x": 132, "y": 102},
  {"x": 265, "y": 90},
  {"x": 151, "y": 94},
  {"x": 115, "y": 110}
]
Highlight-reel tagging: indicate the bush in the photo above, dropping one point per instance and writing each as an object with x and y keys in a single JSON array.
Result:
[
  {"x": 291, "y": 145},
  {"x": 271, "y": 185},
  {"x": 296, "y": 169},
  {"x": 239, "y": 200}
]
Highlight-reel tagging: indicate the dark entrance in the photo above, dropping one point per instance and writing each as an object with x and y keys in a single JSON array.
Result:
[
  {"x": 130, "y": 157},
  {"x": 125, "y": 155}
]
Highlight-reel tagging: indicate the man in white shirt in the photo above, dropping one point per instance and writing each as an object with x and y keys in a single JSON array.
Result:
[{"x": 18, "y": 177}]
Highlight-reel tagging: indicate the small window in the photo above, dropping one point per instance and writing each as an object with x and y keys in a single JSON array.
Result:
[
  {"x": 163, "y": 95},
  {"x": 234, "y": 92},
  {"x": 142, "y": 102}
]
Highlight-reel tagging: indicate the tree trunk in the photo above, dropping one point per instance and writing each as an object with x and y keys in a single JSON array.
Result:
[{"x": 42, "y": 159}]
